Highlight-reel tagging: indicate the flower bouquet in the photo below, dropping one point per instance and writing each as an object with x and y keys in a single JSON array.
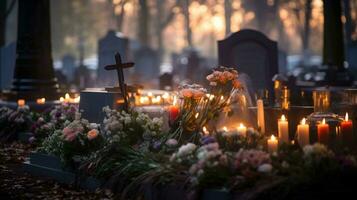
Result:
[
  {"x": 199, "y": 106},
  {"x": 76, "y": 141}
]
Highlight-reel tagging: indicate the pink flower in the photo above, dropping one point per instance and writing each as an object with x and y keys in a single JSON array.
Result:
[
  {"x": 92, "y": 134},
  {"x": 69, "y": 134},
  {"x": 187, "y": 93}
]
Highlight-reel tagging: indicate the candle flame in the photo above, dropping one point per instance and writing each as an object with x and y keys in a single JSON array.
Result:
[
  {"x": 66, "y": 96},
  {"x": 303, "y": 121},
  {"x": 174, "y": 101},
  {"x": 165, "y": 95},
  {"x": 21, "y": 102},
  {"x": 205, "y": 131},
  {"x": 241, "y": 125},
  {"x": 225, "y": 129},
  {"x": 40, "y": 101},
  {"x": 346, "y": 117},
  {"x": 222, "y": 97},
  {"x": 196, "y": 116},
  {"x": 272, "y": 137},
  {"x": 323, "y": 121},
  {"x": 61, "y": 99},
  {"x": 283, "y": 118}
]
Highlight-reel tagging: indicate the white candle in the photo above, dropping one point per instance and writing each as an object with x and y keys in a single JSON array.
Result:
[
  {"x": 283, "y": 129},
  {"x": 242, "y": 130},
  {"x": 272, "y": 144},
  {"x": 260, "y": 115},
  {"x": 303, "y": 133}
]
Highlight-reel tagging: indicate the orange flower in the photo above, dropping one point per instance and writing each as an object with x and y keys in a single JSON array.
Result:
[
  {"x": 237, "y": 84},
  {"x": 92, "y": 134}
]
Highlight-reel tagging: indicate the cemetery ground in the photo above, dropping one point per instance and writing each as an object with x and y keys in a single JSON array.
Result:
[{"x": 16, "y": 184}]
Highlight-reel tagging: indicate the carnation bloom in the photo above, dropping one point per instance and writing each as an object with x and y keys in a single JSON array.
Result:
[
  {"x": 69, "y": 134},
  {"x": 92, "y": 134}
]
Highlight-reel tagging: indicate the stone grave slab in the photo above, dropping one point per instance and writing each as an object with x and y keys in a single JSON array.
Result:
[{"x": 94, "y": 99}]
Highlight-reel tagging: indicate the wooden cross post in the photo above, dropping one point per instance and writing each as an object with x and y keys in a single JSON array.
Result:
[{"x": 119, "y": 66}]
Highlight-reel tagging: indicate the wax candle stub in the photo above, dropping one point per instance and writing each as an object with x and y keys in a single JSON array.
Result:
[
  {"x": 242, "y": 130},
  {"x": 323, "y": 131},
  {"x": 303, "y": 133},
  {"x": 283, "y": 129},
  {"x": 347, "y": 132},
  {"x": 272, "y": 144}
]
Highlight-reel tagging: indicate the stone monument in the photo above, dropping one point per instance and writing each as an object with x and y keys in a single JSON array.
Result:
[{"x": 94, "y": 99}]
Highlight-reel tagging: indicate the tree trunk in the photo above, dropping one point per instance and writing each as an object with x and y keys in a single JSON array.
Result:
[
  {"x": 143, "y": 28},
  {"x": 2, "y": 22},
  {"x": 186, "y": 13},
  {"x": 306, "y": 33},
  {"x": 228, "y": 15},
  {"x": 349, "y": 25},
  {"x": 333, "y": 50},
  {"x": 159, "y": 29}
]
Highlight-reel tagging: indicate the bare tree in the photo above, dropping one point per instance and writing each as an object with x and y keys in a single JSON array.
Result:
[
  {"x": 186, "y": 13},
  {"x": 228, "y": 15},
  {"x": 163, "y": 21},
  {"x": 143, "y": 25}
]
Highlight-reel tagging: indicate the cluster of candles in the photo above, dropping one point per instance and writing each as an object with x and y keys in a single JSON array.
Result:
[
  {"x": 68, "y": 99},
  {"x": 22, "y": 102},
  {"x": 241, "y": 130},
  {"x": 151, "y": 99},
  {"x": 303, "y": 132}
]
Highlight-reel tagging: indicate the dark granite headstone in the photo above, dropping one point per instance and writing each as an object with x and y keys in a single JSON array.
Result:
[
  {"x": 147, "y": 65},
  {"x": 113, "y": 42},
  {"x": 251, "y": 52},
  {"x": 166, "y": 81},
  {"x": 68, "y": 66},
  {"x": 7, "y": 64}
]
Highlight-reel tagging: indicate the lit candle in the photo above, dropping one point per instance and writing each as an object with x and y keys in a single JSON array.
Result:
[
  {"x": 67, "y": 98},
  {"x": 205, "y": 131},
  {"x": 41, "y": 101},
  {"x": 150, "y": 97},
  {"x": 303, "y": 133},
  {"x": 347, "y": 131},
  {"x": 323, "y": 131},
  {"x": 260, "y": 115},
  {"x": 225, "y": 129},
  {"x": 21, "y": 102},
  {"x": 61, "y": 99},
  {"x": 283, "y": 129},
  {"x": 272, "y": 144},
  {"x": 242, "y": 130},
  {"x": 173, "y": 111}
]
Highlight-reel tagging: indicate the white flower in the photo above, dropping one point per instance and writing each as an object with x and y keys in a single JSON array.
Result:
[
  {"x": 171, "y": 142},
  {"x": 186, "y": 149},
  {"x": 93, "y": 126},
  {"x": 127, "y": 120},
  {"x": 265, "y": 168}
]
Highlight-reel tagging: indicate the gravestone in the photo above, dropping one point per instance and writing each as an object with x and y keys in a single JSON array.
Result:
[
  {"x": 68, "y": 66},
  {"x": 147, "y": 65},
  {"x": 82, "y": 77},
  {"x": 251, "y": 52},
  {"x": 7, "y": 64},
  {"x": 283, "y": 62},
  {"x": 93, "y": 100},
  {"x": 107, "y": 46},
  {"x": 193, "y": 64},
  {"x": 166, "y": 81}
]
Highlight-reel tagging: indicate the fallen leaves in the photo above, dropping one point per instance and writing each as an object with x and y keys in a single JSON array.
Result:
[{"x": 15, "y": 184}]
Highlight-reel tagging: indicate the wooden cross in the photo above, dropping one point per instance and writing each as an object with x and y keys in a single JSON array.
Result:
[{"x": 119, "y": 66}]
